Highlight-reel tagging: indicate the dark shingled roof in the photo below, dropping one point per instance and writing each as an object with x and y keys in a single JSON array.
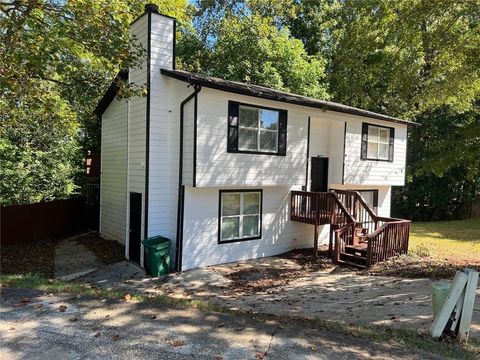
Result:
[
  {"x": 250, "y": 90},
  {"x": 276, "y": 95},
  {"x": 110, "y": 93}
]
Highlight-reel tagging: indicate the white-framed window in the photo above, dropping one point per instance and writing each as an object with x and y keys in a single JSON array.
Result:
[
  {"x": 258, "y": 129},
  {"x": 377, "y": 142},
  {"x": 254, "y": 129},
  {"x": 240, "y": 215}
]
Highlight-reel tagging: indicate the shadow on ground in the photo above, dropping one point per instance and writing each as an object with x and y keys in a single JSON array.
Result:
[{"x": 38, "y": 325}]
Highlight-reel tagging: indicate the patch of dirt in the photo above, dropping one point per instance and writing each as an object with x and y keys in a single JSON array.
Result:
[
  {"x": 39, "y": 256},
  {"x": 107, "y": 251},
  {"x": 306, "y": 259},
  {"x": 253, "y": 280},
  {"x": 33, "y": 257},
  {"x": 419, "y": 267}
]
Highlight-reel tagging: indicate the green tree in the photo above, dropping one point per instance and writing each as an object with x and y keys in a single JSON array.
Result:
[
  {"x": 405, "y": 57},
  {"x": 58, "y": 58},
  {"x": 245, "y": 45},
  {"x": 443, "y": 165},
  {"x": 414, "y": 59}
]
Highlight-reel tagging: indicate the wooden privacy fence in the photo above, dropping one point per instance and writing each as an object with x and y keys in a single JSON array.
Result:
[{"x": 32, "y": 222}]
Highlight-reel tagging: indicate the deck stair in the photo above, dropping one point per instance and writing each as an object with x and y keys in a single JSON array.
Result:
[{"x": 358, "y": 236}]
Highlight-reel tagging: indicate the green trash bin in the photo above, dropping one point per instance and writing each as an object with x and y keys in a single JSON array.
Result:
[
  {"x": 157, "y": 251},
  {"x": 439, "y": 294}
]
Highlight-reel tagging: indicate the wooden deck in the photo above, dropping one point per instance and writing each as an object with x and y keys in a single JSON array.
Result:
[{"x": 358, "y": 236}]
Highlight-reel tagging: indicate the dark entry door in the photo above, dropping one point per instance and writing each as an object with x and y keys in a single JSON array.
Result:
[
  {"x": 135, "y": 226},
  {"x": 319, "y": 174}
]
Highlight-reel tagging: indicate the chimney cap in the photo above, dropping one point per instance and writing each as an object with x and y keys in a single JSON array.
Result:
[{"x": 151, "y": 8}]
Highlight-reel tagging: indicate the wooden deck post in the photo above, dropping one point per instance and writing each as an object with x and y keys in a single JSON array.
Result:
[
  {"x": 315, "y": 241},
  {"x": 330, "y": 242}
]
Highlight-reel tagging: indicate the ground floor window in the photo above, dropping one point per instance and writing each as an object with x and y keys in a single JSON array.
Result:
[{"x": 240, "y": 215}]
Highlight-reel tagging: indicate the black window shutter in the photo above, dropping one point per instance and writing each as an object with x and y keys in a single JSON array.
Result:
[
  {"x": 232, "y": 142},
  {"x": 375, "y": 198},
  {"x": 392, "y": 140},
  {"x": 282, "y": 133},
  {"x": 364, "y": 140}
]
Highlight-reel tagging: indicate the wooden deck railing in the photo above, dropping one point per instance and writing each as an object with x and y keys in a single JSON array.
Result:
[
  {"x": 358, "y": 207},
  {"x": 311, "y": 207},
  {"x": 389, "y": 240},
  {"x": 347, "y": 211},
  {"x": 318, "y": 208}
]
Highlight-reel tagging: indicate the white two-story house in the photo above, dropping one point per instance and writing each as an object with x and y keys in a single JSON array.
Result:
[{"x": 211, "y": 164}]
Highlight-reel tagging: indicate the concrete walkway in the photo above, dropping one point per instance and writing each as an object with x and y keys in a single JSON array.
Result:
[
  {"x": 73, "y": 259},
  {"x": 335, "y": 294},
  {"x": 34, "y": 325}
]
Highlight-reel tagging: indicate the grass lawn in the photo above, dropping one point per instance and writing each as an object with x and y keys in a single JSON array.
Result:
[
  {"x": 457, "y": 241},
  {"x": 437, "y": 249}
]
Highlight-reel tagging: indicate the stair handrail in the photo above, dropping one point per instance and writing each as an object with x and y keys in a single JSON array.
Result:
[
  {"x": 384, "y": 226},
  {"x": 366, "y": 206},
  {"x": 358, "y": 197},
  {"x": 342, "y": 208},
  {"x": 338, "y": 239}
]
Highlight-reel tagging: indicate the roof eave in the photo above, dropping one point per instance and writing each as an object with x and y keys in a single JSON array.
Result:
[
  {"x": 275, "y": 97},
  {"x": 110, "y": 93}
]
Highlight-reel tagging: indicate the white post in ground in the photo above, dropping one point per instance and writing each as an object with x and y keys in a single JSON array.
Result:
[
  {"x": 468, "y": 304},
  {"x": 458, "y": 284}
]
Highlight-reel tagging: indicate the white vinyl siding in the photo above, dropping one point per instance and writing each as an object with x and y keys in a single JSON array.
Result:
[
  {"x": 188, "y": 142},
  {"x": 326, "y": 140},
  {"x": 113, "y": 171},
  {"x": 279, "y": 234},
  {"x": 372, "y": 172},
  {"x": 217, "y": 167},
  {"x": 165, "y": 98}
]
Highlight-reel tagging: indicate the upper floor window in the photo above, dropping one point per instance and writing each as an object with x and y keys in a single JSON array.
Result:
[
  {"x": 256, "y": 130},
  {"x": 377, "y": 142}
]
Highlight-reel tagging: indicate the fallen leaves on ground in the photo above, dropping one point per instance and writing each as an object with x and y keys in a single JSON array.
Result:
[
  {"x": 306, "y": 259},
  {"x": 97, "y": 334},
  {"x": 127, "y": 297},
  {"x": 253, "y": 280},
  {"x": 38, "y": 256},
  {"x": 32, "y": 257},
  {"x": 115, "y": 337},
  {"x": 176, "y": 342},
  {"x": 106, "y": 251},
  {"x": 408, "y": 266},
  {"x": 62, "y": 308}
]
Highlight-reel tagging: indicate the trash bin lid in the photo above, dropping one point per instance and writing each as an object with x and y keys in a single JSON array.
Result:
[
  {"x": 440, "y": 285},
  {"x": 156, "y": 242}
]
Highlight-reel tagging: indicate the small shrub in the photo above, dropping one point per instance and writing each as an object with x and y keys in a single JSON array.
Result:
[{"x": 421, "y": 251}]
